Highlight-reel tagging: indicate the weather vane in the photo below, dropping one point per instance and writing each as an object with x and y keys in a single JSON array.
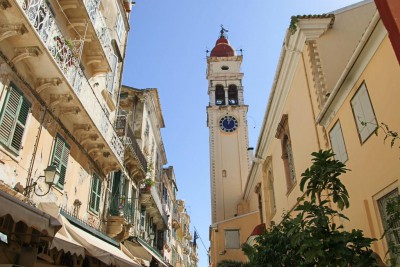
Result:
[{"x": 223, "y": 30}]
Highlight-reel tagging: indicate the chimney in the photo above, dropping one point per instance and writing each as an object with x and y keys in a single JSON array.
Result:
[{"x": 250, "y": 154}]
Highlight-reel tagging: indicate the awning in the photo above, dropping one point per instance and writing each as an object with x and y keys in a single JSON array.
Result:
[
  {"x": 258, "y": 230},
  {"x": 151, "y": 251},
  {"x": 62, "y": 240},
  {"x": 127, "y": 251},
  {"x": 100, "y": 249},
  {"x": 31, "y": 216}
]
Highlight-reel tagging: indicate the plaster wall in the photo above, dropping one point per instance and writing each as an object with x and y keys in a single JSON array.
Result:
[
  {"x": 337, "y": 45},
  {"x": 374, "y": 164},
  {"x": 245, "y": 224}
]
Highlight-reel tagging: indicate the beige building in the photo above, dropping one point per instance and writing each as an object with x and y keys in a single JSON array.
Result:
[
  {"x": 81, "y": 160},
  {"x": 60, "y": 72},
  {"x": 335, "y": 83}
]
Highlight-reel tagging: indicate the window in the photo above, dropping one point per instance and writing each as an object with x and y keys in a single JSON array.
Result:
[
  {"x": 95, "y": 194},
  {"x": 363, "y": 113},
  {"x": 392, "y": 236},
  {"x": 60, "y": 159},
  {"x": 232, "y": 239},
  {"x": 337, "y": 142},
  {"x": 13, "y": 119},
  {"x": 111, "y": 75},
  {"x": 219, "y": 95},
  {"x": 282, "y": 133},
  {"x": 120, "y": 27},
  {"x": 232, "y": 95},
  {"x": 142, "y": 217}
]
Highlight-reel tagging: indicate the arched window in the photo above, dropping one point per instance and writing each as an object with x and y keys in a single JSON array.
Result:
[
  {"x": 287, "y": 154},
  {"x": 219, "y": 95},
  {"x": 232, "y": 95},
  {"x": 287, "y": 157}
]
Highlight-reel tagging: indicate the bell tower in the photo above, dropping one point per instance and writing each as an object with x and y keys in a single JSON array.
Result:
[{"x": 227, "y": 123}]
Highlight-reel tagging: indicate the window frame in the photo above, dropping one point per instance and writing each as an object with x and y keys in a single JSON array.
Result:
[
  {"x": 382, "y": 214},
  {"x": 283, "y": 133},
  {"x": 359, "y": 126},
  {"x": 237, "y": 242},
  {"x": 119, "y": 24},
  {"x": 338, "y": 156},
  {"x": 22, "y": 101},
  {"x": 62, "y": 158},
  {"x": 95, "y": 196}
]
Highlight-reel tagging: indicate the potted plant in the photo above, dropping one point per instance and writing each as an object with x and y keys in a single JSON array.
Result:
[{"x": 146, "y": 184}]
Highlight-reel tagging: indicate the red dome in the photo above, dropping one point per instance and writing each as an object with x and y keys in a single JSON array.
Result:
[{"x": 222, "y": 48}]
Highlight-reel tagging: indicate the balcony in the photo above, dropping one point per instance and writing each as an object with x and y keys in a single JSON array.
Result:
[
  {"x": 151, "y": 200},
  {"x": 89, "y": 22},
  {"x": 53, "y": 58},
  {"x": 121, "y": 217},
  {"x": 123, "y": 207},
  {"x": 176, "y": 221},
  {"x": 135, "y": 161}
]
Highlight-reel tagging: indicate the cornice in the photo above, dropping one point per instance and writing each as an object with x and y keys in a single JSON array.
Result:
[
  {"x": 293, "y": 46},
  {"x": 365, "y": 50}
]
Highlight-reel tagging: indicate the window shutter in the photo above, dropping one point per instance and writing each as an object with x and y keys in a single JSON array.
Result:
[
  {"x": 363, "y": 113},
  {"x": 232, "y": 239},
  {"x": 13, "y": 119},
  {"x": 95, "y": 193},
  {"x": 337, "y": 142},
  {"x": 60, "y": 159},
  {"x": 111, "y": 75}
]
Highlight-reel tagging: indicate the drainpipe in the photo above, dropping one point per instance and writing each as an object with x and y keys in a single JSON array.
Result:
[{"x": 29, "y": 179}]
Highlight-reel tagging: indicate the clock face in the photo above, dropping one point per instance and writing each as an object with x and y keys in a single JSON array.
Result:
[{"x": 228, "y": 124}]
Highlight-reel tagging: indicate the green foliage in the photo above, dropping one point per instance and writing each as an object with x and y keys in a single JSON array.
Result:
[
  {"x": 293, "y": 24},
  {"x": 393, "y": 219},
  {"x": 312, "y": 238}
]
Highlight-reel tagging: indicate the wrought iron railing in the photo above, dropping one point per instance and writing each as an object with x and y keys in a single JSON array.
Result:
[
  {"x": 130, "y": 140},
  {"x": 100, "y": 26},
  {"x": 122, "y": 206},
  {"x": 135, "y": 147},
  {"x": 42, "y": 19}
]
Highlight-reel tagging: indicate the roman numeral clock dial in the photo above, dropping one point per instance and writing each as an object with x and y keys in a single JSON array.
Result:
[{"x": 228, "y": 124}]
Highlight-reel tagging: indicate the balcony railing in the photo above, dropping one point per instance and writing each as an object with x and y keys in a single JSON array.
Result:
[
  {"x": 130, "y": 140},
  {"x": 40, "y": 16},
  {"x": 135, "y": 147},
  {"x": 100, "y": 26},
  {"x": 121, "y": 206}
]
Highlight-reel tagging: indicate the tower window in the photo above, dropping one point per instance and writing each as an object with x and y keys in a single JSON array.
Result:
[
  {"x": 224, "y": 68},
  {"x": 219, "y": 95},
  {"x": 232, "y": 95}
]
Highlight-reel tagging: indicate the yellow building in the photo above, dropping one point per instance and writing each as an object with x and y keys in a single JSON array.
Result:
[{"x": 335, "y": 83}]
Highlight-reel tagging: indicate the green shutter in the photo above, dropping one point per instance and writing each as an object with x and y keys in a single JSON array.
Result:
[
  {"x": 95, "y": 194},
  {"x": 13, "y": 119},
  {"x": 60, "y": 159}
]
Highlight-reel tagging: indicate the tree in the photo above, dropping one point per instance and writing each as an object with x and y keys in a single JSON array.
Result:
[{"x": 312, "y": 238}]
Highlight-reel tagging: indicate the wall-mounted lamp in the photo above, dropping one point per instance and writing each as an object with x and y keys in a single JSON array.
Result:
[
  {"x": 152, "y": 235},
  {"x": 51, "y": 176}
]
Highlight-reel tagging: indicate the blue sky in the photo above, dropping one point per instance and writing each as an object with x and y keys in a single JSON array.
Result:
[{"x": 166, "y": 50}]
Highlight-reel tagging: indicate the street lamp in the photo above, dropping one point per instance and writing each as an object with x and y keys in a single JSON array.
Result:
[{"x": 51, "y": 176}]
